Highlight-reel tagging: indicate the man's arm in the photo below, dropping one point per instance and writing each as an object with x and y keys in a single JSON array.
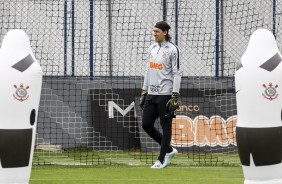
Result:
[
  {"x": 146, "y": 77},
  {"x": 174, "y": 103},
  {"x": 147, "y": 73},
  {"x": 176, "y": 70},
  {"x": 145, "y": 85}
]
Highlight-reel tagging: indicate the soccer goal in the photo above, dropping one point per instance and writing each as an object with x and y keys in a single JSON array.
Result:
[{"x": 93, "y": 55}]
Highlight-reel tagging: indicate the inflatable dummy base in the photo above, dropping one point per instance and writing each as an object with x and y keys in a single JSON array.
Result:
[{"x": 262, "y": 174}]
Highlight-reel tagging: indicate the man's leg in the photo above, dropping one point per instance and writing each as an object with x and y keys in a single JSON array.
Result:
[
  {"x": 149, "y": 115},
  {"x": 165, "y": 143},
  {"x": 166, "y": 123}
]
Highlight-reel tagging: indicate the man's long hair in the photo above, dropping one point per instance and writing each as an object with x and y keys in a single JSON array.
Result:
[{"x": 167, "y": 37}]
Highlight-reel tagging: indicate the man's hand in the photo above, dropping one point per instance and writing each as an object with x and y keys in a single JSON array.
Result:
[
  {"x": 143, "y": 97},
  {"x": 173, "y": 103}
]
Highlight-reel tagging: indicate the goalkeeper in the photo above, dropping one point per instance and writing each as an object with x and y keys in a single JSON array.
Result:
[{"x": 160, "y": 92}]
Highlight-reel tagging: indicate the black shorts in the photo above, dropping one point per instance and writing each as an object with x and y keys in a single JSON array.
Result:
[
  {"x": 265, "y": 145},
  {"x": 15, "y": 147},
  {"x": 156, "y": 104}
]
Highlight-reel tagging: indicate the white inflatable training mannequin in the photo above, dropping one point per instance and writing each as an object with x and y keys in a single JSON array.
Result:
[
  {"x": 20, "y": 84},
  {"x": 258, "y": 83}
]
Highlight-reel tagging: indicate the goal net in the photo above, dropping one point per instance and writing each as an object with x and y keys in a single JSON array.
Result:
[{"x": 93, "y": 55}]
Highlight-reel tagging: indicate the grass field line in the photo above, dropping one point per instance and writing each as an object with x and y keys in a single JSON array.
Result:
[
  {"x": 136, "y": 167},
  {"x": 135, "y": 174},
  {"x": 145, "y": 179}
]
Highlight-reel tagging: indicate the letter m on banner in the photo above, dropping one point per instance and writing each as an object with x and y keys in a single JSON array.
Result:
[{"x": 112, "y": 105}]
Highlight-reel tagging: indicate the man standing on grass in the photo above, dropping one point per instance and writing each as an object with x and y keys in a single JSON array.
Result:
[{"x": 160, "y": 92}]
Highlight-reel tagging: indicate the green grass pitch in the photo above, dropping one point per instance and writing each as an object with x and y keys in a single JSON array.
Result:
[{"x": 135, "y": 175}]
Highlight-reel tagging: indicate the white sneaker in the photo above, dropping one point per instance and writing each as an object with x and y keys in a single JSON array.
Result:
[
  {"x": 169, "y": 157},
  {"x": 157, "y": 165}
]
